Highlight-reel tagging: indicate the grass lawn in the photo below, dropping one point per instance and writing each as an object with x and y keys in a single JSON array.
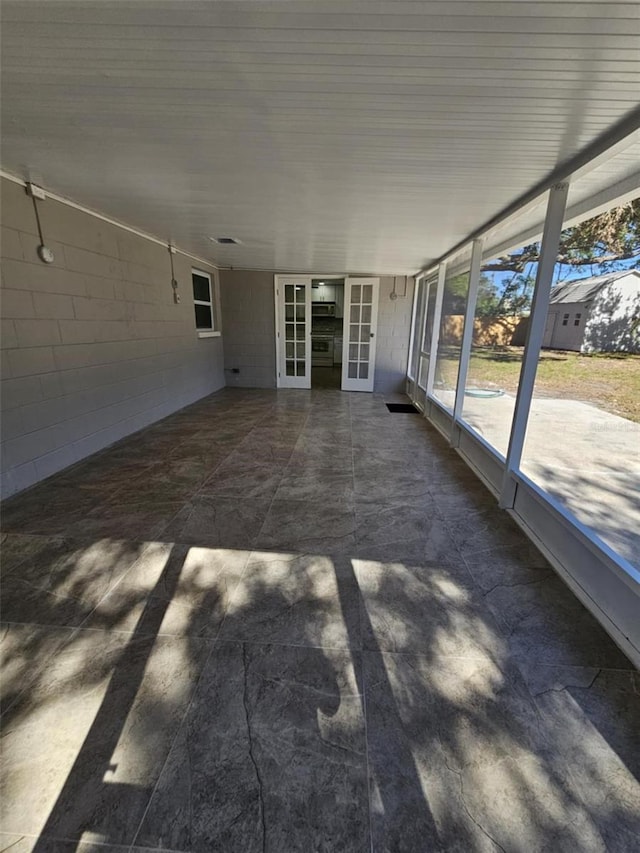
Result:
[{"x": 610, "y": 381}]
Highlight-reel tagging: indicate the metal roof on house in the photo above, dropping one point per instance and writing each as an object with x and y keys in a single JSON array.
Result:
[{"x": 586, "y": 288}]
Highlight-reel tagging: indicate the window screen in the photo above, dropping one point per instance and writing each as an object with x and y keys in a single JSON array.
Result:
[{"x": 203, "y": 300}]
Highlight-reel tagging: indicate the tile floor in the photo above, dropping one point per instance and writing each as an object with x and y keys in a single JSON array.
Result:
[{"x": 295, "y": 622}]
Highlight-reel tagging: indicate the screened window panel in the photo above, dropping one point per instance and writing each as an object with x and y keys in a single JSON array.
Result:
[
  {"x": 204, "y": 316},
  {"x": 201, "y": 290}
]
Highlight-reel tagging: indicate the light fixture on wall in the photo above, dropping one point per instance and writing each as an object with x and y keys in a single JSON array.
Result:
[
  {"x": 174, "y": 282},
  {"x": 44, "y": 252}
]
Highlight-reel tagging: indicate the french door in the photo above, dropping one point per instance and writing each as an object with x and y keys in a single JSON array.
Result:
[
  {"x": 360, "y": 326},
  {"x": 294, "y": 327},
  {"x": 293, "y": 330},
  {"x": 425, "y": 307}
]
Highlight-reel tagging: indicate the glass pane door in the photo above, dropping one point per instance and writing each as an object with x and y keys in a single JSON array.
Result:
[
  {"x": 426, "y": 336},
  {"x": 361, "y": 315},
  {"x": 293, "y": 298},
  {"x": 417, "y": 333}
]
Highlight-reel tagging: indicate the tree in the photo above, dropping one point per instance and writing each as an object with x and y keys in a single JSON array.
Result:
[
  {"x": 454, "y": 298},
  {"x": 488, "y": 302},
  {"x": 516, "y": 296},
  {"x": 609, "y": 240},
  {"x": 495, "y": 299}
]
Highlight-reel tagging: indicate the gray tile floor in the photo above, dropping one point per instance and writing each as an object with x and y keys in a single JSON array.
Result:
[{"x": 295, "y": 622}]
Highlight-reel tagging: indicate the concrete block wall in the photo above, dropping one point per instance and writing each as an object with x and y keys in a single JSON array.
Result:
[
  {"x": 394, "y": 329},
  {"x": 249, "y": 315},
  {"x": 248, "y": 309},
  {"x": 93, "y": 346}
]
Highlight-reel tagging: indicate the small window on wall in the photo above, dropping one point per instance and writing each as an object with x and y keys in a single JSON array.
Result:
[
  {"x": 576, "y": 322},
  {"x": 565, "y": 320},
  {"x": 203, "y": 303}
]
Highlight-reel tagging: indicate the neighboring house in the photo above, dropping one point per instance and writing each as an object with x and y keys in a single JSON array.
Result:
[{"x": 599, "y": 314}]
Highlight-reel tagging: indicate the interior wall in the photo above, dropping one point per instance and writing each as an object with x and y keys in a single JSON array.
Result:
[
  {"x": 249, "y": 314},
  {"x": 93, "y": 346}
]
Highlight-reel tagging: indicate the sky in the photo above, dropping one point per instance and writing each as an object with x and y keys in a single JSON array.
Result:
[{"x": 562, "y": 273}]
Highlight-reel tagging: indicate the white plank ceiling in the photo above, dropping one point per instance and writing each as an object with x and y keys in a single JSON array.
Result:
[{"x": 326, "y": 136}]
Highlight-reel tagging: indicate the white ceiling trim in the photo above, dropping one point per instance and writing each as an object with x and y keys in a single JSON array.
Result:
[{"x": 339, "y": 135}]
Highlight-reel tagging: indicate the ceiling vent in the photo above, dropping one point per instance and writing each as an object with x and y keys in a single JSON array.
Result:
[{"x": 226, "y": 241}]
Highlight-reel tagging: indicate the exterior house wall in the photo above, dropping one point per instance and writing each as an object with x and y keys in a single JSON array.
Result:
[
  {"x": 610, "y": 320},
  {"x": 394, "y": 331},
  {"x": 613, "y": 324},
  {"x": 568, "y": 337},
  {"x": 248, "y": 308},
  {"x": 93, "y": 346},
  {"x": 250, "y": 328}
]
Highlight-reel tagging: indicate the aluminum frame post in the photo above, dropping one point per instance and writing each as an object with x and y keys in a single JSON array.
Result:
[
  {"x": 535, "y": 334},
  {"x": 435, "y": 335},
  {"x": 419, "y": 332},
  {"x": 467, "y": 337}
]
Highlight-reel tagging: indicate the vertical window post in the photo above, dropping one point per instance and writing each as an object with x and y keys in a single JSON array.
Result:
[
  {"x": 420, "y": 321},
  {"x": 535, "y": 334},
  {"x": 412, "y": 334},
  {"x": 435, "y": 337},
  {"x": 467, "y": 338}
]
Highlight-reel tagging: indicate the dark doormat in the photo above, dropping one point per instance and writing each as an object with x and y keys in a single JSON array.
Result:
[{"x": 406, "y": 408}]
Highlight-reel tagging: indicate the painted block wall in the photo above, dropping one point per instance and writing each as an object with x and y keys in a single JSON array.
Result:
[
  {"x": 249, "y": 315},
  {"x": 93, "y": 346},
  {"x": 394, "y": 330},
  {"x": 250, "y": 328}
]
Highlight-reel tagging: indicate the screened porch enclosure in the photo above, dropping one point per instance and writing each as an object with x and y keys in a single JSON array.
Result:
[{"x": 560, "y": 453}]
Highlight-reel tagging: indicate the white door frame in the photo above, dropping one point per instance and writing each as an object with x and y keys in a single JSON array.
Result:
[
  {"x": 429, "y": 282},
  {"x": 415, "y": 346},
  {"x": 352, "y": 384},
  {"x": 304, "y": 382},
  {"x": 282, "y": 380}
]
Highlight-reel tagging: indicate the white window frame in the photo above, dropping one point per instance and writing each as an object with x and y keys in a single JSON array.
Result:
[
  {"x": 212, "y": 331},
  {"x": 606, "y": 583}
]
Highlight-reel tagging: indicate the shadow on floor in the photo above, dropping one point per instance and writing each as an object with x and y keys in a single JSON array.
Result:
[{"x": 320, "y": 696}]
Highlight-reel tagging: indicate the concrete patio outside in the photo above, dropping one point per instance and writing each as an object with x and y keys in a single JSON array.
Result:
[{"x": 587, "y": 458}]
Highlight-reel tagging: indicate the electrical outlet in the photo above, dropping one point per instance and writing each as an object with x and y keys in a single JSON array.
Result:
[{"x": 176, "y": 297}]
